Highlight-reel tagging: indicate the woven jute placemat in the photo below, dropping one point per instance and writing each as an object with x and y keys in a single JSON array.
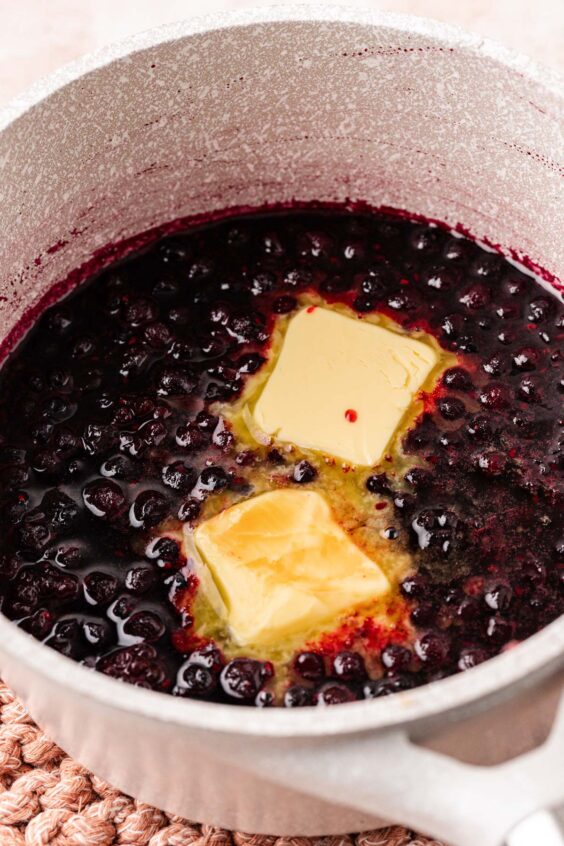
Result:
[{"x": 47, "y": 799}]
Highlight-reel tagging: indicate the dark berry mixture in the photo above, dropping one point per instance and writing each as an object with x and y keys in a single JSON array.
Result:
[{"x": 110, "y": 438}]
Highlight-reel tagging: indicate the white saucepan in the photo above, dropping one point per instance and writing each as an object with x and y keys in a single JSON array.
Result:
[{"x": 312, "y": 103}]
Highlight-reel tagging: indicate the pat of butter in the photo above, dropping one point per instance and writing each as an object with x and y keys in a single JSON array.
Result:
[
  {"x": 341, "y": 385},
  {"x": 283, "y": 567}
]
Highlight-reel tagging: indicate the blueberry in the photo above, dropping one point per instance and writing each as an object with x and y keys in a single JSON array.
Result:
[
  {"x": 174, "y": 381},
  {"x": 457, "y": 379},
  {"x": 304, "y": 472},
  {"x": 413, "y": 587},
  {"x": 451, "y": 408},
  {"x": 333, "y": 693},
  {"x": 471, "y": 657},
  {"x": 242, "y": 678},
  {"x": 149, "y": 509},
  {"x": 309, "y": 665},
  {"x": 144, "y": 624},
  {"x": 284, "y": 305},
  {"x": 135, "y": 664},
  {"x": 179, "y": 477},
  {"x": 395, "y": 657},
  {"x": 190, "y": 437},
  {"x": 61, "y": 511},
  {"x": 213, "y": 479},
  {"x": 250, "y": 363},
  {"x": 495, "y": 397},
  {"x": 539, "y": 310},
  {"x": 208, "y": 656},
  {"x": 104, "y": 498},
  {"x": 349, "y": 666},
  {"x": 140, "y": 579},
  {"x": 498, "y": 596},
  {"x": 378, "y": 483},
  {"x": 386, "y": 686},
  {"x": 432, "y": 649},
  {"x": 100, "y": 588},
  {"x": 194, "y": 680},
  {"x": 297, "y": 696},
  {"x": 189, "y": 509}
]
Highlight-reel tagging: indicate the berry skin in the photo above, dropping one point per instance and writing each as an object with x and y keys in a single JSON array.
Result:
[
  {"x": 149, "y": 509},
  {"x": 432, "y": 649},
  {"x": 179, "y": 477},
  {"x": 213, "y": 479},
  {"x": 242, "y": 678},
  {"x": 333, "y": 694},
  {"x": 386, "y": 686},
  {"x": 194, "y": 680},
  {"x": 104, "y": 499},
  {"x": 349, "y": 666},
  {"x": 457, "y": 379},
  {"x": 297, "y": 696},
  {"x": 304, "y": 472},
  {"x": 100, "y": 588},
  {"x": 309, "y": 665},
  {"x": 395, "y": 658}
]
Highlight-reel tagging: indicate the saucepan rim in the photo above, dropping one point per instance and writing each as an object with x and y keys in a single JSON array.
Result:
[{"x": 498, "y": 677}]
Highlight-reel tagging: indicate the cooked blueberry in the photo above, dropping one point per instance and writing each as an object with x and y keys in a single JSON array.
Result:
[
  {"x": 60, "y": 510},
  {"x": 386, "y": 686},
  {"x": 176, "y": 382},
  {"x": 179, "y": 477},
  {"x": 495, "y": 397},
  {"x": 457, "y": 379},
  {"x": 104, "y": 498},
  {"x": 349, "y": 666},
  {"x": 432, "y": 648},
  {"x": 539, "y": 309},
  {"x": 304, "y": 472},
  {"x": 471, "y": 657},
  {"x": 207, "y": 656},
  {"x": 149, "y": 509},
  {"x": 498, "y": 597},
  {"x": 190, "y": 437},
  {"x": 242, "y": 678},
  {"x": 378, "y": 483},
  {"x": 451, "y": 408},
  {"x": 413, "y": 587},
  {"x": 310, "y": 666},
  {"x": 164, "y": 550},
  {"x": 297, "y": 696},
  {"x": 334, "y": 694},
  {"x": 100, "y": 588},
  {"x": 395, "y": 657},
  {"x": 284, "y": 305},
  {"x": 137, "y": 664},
  {"x": 144, "y": 624},
  {"x": 189, "y": 509},
  {"x": 213, "y": 479},
  {"x": 194, "y": 680},
  {"x": 140, "y": 579}
]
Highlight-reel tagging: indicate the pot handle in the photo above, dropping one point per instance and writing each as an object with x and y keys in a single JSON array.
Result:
[{"x": 387, "y": 774}]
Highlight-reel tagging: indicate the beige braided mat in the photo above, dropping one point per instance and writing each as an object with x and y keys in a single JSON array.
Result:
[{"x": 47, "y": 799}]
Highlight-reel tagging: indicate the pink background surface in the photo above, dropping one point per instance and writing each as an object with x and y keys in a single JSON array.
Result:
[{"x": 37, "y": 36}]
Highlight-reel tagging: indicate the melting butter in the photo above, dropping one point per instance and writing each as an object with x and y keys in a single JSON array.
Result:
[{"x": 283, "y": 568}]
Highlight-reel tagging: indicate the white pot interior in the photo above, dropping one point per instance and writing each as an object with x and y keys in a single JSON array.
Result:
[{"x": 275, "y": 111}]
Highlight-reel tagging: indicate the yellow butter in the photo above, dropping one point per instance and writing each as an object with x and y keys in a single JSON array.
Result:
[
  {"x": 283, "y": 566},
  {"x": 341, "y": 385}
]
